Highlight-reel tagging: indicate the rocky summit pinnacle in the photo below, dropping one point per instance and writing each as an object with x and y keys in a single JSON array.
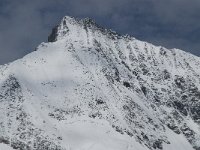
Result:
[
  {"x": 70, "y": 25},
  {"x": 90, "y": 88},
  {"x": 63, "y": 28}
]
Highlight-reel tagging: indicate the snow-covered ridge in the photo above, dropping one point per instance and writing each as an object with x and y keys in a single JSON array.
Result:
[
  {"x": 69, "y": 25},
  {"x": 91, "y": 88}
]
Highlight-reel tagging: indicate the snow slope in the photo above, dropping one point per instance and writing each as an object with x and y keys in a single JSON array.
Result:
[
  {"x": 5, "y": 147},
  {"x": 90, "y": 88}
]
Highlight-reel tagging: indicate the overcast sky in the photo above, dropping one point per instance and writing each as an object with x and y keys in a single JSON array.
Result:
[{"x": 24, "y": 24}]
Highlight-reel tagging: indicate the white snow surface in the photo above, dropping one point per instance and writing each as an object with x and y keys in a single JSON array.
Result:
[
  {"x": 5, "y": 147},
  {"x": 71, "y": 94}
]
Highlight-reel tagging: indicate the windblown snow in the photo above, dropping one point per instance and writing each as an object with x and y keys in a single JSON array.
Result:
[{"x": 90, "y": 88}]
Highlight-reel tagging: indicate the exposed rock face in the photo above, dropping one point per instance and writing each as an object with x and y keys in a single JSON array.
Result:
[
  {"x": 52, "y": 37},
  {"x": 86, "y": 73}
]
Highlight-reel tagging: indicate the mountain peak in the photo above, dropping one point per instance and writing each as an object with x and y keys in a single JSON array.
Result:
[
  {"x": 72, "y": 20},
  {"x": 95, "y": 89},
  {"x": 72, "y": 24},
  {"x": 74, "y": 27}
]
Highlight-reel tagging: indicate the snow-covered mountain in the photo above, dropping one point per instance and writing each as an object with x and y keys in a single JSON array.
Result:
[{"x": 90, "y": 88}]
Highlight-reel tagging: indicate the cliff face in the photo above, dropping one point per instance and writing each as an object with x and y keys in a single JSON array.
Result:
[{"x": 91, "y": 88}]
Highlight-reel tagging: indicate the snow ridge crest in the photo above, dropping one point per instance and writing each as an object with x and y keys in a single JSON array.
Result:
[{"x": 71, "y": 27}]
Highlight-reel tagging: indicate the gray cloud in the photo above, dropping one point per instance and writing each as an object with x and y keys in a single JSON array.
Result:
[{"x": 173, "y": 23}]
